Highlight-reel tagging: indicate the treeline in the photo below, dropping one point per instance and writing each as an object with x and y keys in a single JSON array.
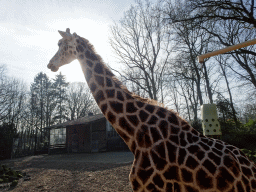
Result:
[
  {"x": 158, "y": 43},
  {"x": 48, "y": 102}
]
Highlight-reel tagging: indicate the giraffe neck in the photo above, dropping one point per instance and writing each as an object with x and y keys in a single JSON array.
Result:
[{"x": 112, "y": 97}]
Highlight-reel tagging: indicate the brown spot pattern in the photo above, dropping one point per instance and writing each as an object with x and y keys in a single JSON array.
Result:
[
  {"x": 133, "y": 119},
  {"x": 140, "y": 104},
  {"x": 186, "y": 175},
  {"x": 158, "y": 181},
  {"x": 153, "y": 119},
  {"x": 93, "y": 87},
  {"x": 159, "y": 162},
  {"x": 109, "y": 82},
  {"x": 172, "y": 173},
  {"x": 143, "y": 116},
  {"x": 99, "y": 97},
  {"x": 123, "y": 135},
  {"x": 145, "y": 162},
  {"x": 130, "y": 108},
  {"x": 104, "y": 108},
  {"x": 89, "y": 63},
  {"x": 143, "y": 137},
  {"x": 99, "y": 80},
  {"x": 98, "y": 68},
  {"x": 145, "y": 174},
  {"x": 150, "y": 108},
  {"x": 111, "y": 117},
  {"x": 116, "y": 106},
  {"x": 110, "y": 93},
  {"x": 90, "y": 56},
  {"x": 88, "y": 75},
  {"x": 203, "y": 180},
  {"x": 161, "y": 112},
  {"x": 126, "y": 126},
  {"x": 163, "y": 126},
  {"x": 120, "y": 96},
  {"x": 80, "y": 48},
  {"x": 173, "y": 119}
]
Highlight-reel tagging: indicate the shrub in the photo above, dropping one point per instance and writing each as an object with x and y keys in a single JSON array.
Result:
[
  {"x": 9, "y": 175},
  {"x": 250, "y": 154},
  {"x": 14, "y": 183},
  {"x": 197, "y": 125}
]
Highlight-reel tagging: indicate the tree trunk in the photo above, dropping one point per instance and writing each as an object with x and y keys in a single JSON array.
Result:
[
  {"x": 207, "y": 83},
  {"x": 230, "y": 95}
]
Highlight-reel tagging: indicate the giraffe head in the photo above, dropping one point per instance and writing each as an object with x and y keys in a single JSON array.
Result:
[{"x": 67, "y": 51}]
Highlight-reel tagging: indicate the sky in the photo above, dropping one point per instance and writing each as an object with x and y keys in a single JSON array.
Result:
[{"x": 29, "y": 33}]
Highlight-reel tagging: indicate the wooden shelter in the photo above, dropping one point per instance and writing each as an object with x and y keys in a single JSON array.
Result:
[{"x": 92, "y": 133}]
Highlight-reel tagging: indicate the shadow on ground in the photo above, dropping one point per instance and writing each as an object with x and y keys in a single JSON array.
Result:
[{"x": 74, "y": 162}]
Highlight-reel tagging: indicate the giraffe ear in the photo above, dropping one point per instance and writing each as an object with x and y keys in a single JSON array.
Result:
[
  {"x": 68, "y": 30},
  {"x": 65, "y": 35}
]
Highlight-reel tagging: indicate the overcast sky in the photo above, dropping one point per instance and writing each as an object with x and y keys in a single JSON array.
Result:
[{"x": 29, "y": 33}]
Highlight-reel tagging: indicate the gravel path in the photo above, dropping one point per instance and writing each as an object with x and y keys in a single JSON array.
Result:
[{"x": 74, "y": 172}]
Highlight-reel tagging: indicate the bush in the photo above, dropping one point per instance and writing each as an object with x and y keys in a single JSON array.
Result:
[
  {"x": 250, "y": 125},
  {"x": 9, "y": 175},
  {"x": 250, "y": 154},
  {"x": 7, "y": 133},
  {"x": 242, "y": 136},
  {"x": 197, "y": 125},
  {"x": 14, "y": 183},
  {"x": 241, "y": 140}
]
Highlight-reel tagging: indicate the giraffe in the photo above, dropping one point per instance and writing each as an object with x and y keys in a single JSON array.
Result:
[{"x": 169, "y": 155}]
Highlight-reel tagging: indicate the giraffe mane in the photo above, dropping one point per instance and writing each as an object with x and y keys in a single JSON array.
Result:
[
  {"x": 147, "y": 100},
  {"x": 91, "y": 47}
]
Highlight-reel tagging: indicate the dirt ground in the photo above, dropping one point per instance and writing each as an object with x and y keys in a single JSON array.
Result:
[{"x": 74, "y": 172}]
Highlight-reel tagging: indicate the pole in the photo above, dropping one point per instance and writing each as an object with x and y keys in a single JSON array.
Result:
[{"x": 227, "y": 49}]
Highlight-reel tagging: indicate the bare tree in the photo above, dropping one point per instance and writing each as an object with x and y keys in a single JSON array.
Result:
[
  {"x": 142, "y": 43},
  {"x": 222, "y": 63},
  {"x": 250, "y": 111},
  {"x": 80, "y": 101},
  {"x": 12, "y": 98},
  {"x": 5, "y": 92},
  {"x": 230, "y": 22},
  {"x": 17, "y": 102},
  {"x": 191, "y": 42},
  {"x": 242, "y": 11},
  {"x": 243, "y": 60}
]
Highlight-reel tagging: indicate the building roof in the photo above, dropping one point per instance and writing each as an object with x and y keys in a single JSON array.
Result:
[{"x": 82, "y": 120}]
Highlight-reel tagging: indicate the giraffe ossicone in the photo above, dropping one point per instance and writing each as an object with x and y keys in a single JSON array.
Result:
[{"x": 169, "y": 155}]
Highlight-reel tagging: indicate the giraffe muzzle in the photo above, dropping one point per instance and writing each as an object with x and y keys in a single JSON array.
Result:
[{"x": 52, "y": 67}]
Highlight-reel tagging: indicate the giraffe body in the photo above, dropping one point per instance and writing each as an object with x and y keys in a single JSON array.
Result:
[{"x": 169, "y": 154}]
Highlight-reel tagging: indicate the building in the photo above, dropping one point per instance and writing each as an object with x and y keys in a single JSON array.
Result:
[{"x": 92, "y": 133}]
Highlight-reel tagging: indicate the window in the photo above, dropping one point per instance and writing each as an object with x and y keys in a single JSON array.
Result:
[
  {"x": 111, "y": 132},
  {"x": 58, "y": 136}
]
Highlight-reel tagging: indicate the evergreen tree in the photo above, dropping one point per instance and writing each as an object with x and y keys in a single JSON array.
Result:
[
  {"x": 60, "y": 94},
  {"x": 41, "y": 101}
]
